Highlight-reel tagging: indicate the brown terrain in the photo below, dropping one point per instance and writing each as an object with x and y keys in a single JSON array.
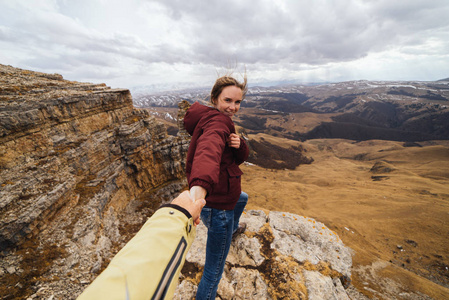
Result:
[
  {"x": 387, "y": 202},
  {"x": 373, "y": 165}
]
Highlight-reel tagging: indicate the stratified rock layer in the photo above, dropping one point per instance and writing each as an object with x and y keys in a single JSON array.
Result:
[{"x": 80, "y": 168}]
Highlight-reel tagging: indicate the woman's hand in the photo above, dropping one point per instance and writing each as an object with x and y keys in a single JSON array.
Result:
[
  {"x": 193, "y": 207},
  {"x": 234, "y": 141},
  {"x": 198, "y": 193}
]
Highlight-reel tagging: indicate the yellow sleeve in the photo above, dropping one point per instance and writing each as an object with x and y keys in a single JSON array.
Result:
[{"x": 148, "y": 266}]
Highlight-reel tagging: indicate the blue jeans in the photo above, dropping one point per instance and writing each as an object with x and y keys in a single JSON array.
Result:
[{"x": 221, "y": 224}]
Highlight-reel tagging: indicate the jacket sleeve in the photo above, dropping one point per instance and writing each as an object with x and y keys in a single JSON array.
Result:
[
  {"x": 148, "y": 266},
  {"x": 241, "y": 154},
  {"x": 209, "y": 150}
]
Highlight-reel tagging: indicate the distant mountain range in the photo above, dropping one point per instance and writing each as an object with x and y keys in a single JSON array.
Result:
[{"x": 356, "y": 110}]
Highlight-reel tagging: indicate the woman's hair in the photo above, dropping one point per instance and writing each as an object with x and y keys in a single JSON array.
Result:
[{"x": 225, "y": 81}]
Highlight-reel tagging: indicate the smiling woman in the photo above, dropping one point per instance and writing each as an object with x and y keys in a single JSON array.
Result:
[
  {"x": 213, "y": 172},
  {"x": 227, "y": 95},
  {"x": 229, "y": 100}
]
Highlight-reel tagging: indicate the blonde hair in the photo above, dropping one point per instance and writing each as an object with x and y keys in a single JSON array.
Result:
[{"x": 225, "y": 81}]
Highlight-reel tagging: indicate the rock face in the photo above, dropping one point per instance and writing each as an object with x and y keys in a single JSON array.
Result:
[
  {"x": 280, "y": 256},
  {"x": 80, "y": 170}
]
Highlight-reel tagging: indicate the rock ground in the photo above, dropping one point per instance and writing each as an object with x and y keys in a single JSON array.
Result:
[{"x": 280, "y": 256}]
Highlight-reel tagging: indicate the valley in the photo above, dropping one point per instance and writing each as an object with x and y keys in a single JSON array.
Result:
[
  {"x": 395, "y": 217},
  {"x": 355, "y": 110},
  {"x": 368, "y": 159}
]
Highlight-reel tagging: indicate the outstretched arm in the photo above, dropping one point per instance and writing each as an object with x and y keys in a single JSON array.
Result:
[{"x": 150, "y": 262}]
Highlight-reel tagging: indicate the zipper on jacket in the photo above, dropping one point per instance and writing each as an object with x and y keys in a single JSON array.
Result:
[{"x": 170, "y": 270}]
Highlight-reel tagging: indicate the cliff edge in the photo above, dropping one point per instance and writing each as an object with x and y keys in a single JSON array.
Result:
[{"x": 80, "y": 171}]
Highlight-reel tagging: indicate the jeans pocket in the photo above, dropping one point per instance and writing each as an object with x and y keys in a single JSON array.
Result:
[{"x": 206, "y": 216}]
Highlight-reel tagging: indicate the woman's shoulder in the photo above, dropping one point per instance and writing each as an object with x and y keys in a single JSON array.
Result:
[
  {"x": 194, "y": 115},
  {"x": 204, "y": 115},
  {"x": 199, "y": 109}
]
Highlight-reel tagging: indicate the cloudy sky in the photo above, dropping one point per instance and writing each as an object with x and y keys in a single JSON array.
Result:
[{"x": 187, "y": 42}]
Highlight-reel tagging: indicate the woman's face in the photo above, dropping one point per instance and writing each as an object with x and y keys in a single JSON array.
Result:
[{"x": 229, "y": 100}]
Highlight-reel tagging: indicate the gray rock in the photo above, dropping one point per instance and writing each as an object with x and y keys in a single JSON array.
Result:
[
  {"x": 308, "y": 240},
  {"x": 245, "y": 251},
  {"x": 241, "y": 283},
  {"x": 281, "y": 255},
  {"x": 320, "y": 287}
]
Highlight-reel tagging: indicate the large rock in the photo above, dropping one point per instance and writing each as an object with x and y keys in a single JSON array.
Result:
[{"x": 280, "y": 256}]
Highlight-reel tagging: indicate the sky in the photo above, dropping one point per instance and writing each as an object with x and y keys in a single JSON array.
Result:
[{"x": 188, "y": 43}]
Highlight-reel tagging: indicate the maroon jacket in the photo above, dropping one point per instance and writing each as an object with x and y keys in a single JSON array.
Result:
[{"x": 211, "y": 163}]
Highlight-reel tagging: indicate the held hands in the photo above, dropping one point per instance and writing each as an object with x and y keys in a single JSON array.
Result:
[
  {"x": 234, "y": 141},
  {"x": 193, "y": 207}
]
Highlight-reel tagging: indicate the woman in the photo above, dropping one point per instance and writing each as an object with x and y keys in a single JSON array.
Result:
[{"x": 213, "y": 172}]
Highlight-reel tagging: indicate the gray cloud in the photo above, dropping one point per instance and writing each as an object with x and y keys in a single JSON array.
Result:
[
  {"x": 307, "y": 32},
  {"x": 126, "y": 41}
]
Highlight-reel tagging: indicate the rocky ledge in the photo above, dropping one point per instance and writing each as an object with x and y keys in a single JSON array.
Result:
[{"x": 280, "y": 256}]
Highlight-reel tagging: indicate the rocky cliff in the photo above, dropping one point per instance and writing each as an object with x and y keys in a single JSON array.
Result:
[{"x": 81, "y": 170}]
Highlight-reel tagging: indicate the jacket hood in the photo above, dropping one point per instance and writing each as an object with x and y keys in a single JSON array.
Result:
[{"x": 194, "y": 115}]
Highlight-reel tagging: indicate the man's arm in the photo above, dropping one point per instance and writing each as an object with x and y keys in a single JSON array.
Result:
[{"x": 149, "y": 264}]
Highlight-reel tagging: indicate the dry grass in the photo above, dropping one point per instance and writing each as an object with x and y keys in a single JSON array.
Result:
[
  {"x": 33, "y": 270},
  {"x": 401, "y": 219}
]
